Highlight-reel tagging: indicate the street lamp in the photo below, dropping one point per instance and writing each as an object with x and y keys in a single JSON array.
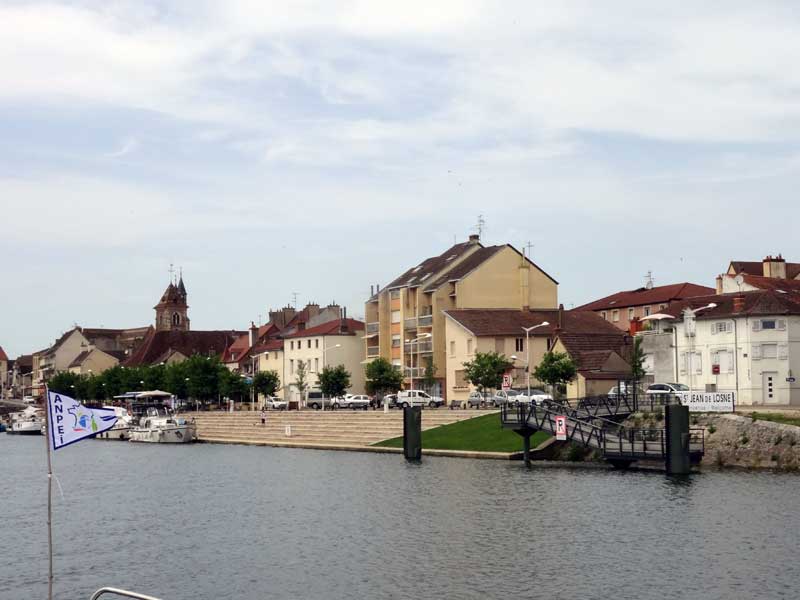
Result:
[
  {"x": 324, "y": 351},
  {"x": 527, "y": 331},
  {"x": 689, "y": 316},
  {"x": 417, "y": 340}
]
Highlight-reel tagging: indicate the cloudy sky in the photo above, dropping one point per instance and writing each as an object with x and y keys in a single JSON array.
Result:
[{"x": 271, "y": 148}]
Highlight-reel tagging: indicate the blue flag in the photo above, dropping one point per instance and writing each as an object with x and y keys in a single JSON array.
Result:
[{"x": 69, "y": 421}]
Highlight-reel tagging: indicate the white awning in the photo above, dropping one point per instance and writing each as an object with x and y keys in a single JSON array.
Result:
[{"x": 657, "y": 317}]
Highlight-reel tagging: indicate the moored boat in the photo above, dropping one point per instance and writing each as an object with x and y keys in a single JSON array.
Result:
[
  {"x": 27, "y": 422},
  {"x": 121, "y": 429},
  {"x": 156, "y": 421}
]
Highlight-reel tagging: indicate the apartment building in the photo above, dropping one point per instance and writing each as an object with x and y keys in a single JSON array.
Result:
[
  {"x": 338, "y": 342},
  {"x": 625, "y": 310},
  {"x": 772, "y": 273},
  {"x": 748, "y": 343},
  {"x": 406, "y": 324}
]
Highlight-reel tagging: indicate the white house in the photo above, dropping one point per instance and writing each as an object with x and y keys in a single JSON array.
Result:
[{"x": 748, "y": 343}]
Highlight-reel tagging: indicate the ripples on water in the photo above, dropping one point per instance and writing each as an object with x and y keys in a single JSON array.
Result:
[{"x": 212, "y": 522}]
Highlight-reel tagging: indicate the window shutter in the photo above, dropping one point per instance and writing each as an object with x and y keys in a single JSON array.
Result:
[
  {"x": 731, "y": 358},
  {"x": 781, "y": 324},
  {"x": 714, "y": 328},
  {"x": 698, "y": 364},
  {"x": 756, "y": 325},
  {"x": 783, "y": 351},
  {"x": 756, "y": 352},
  {"x": 683, "y": 363}
]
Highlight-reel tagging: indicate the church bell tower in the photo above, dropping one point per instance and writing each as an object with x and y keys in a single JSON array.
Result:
[{"x": 172, "y": 311}]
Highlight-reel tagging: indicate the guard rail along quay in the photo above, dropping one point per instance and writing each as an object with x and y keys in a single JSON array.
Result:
[{"x": 595, "y": 423}]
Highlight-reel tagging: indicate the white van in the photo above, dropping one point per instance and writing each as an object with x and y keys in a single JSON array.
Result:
[{"x": 418, "y": 398}]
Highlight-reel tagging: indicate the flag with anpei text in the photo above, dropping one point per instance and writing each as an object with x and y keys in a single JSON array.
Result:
[{"x": 69, "y": 421}]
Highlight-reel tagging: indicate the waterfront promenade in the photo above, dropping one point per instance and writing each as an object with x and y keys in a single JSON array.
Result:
[{"x": 329, "y": 430}]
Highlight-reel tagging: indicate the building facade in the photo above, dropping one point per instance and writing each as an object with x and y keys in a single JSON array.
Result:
[
  {"x": 748, "y": 343},
  {"x": 406, "y": 324}
]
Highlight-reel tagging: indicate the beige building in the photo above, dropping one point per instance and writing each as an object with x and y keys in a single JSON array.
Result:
[
  {"x": 95, "y": 361},
  {"x": 405, "y": 320},
  {"x": 338, "y": 342},
  {"x": 270, "y": 357},
  {"x": 503, "y": 331},
  {"x": 4, "y": 374}
]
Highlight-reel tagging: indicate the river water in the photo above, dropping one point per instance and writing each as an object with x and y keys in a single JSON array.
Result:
[{"x": 212, "y": 522}]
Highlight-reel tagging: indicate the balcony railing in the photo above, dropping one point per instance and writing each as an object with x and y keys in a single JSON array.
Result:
[
  {"x": 425, "y": 321},
  {"x": 373, "y": 327},
  {"x": 410, "y": 323},
  {"x": 373, "y": 351},
  {"x": 415, "y": 372},
  {"x": 423, "y": 347}
]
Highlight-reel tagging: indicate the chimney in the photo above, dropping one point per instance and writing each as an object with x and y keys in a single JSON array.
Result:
[
  {"x": 377, "y": 288},
  {"x": 738, "y": 304},
  {"x": 560, "y": 317},
  {"x": 343, "y": 326},
  {"x": 719, "y": 284},
  {"x": 253, "y": 334},
  {"x": 474, "y": 238},
  {"x": 371, "y": 291},
  {"x": 774, "y": 267}
]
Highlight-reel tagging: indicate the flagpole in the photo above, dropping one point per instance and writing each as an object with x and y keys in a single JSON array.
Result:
[{"x": 48, "y": 433}]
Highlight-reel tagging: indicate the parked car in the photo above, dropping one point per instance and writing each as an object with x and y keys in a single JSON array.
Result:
[
  {"x": 538, "y": 397},
  {"x": 662, "y": 393},
  {"x": 622, "y": 388},
  {"x": 317, "y": 401},
  {"x": 418, "y": 398},
  {"x": 502, "y": 397},
  {"x": 477, "y": 400},
  {"x": 275, "y": 403},
  {"x": 353, "y": 401}
]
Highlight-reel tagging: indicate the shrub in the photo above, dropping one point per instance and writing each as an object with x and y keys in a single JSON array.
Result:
[
  {"x": 695, "y": 420},
  {"x": 745, "y": 439},
  {"x": 711, "y": 429},
  {"x": 575, "y": 453},
  {"x": 659, "y": 416}
]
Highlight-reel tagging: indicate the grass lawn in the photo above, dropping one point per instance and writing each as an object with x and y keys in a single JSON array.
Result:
[
  {"x": 482, "y": 434},
  {"x": 776, "y": 418}
]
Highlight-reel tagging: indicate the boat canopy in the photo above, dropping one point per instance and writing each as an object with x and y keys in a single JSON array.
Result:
[{"x": 153, "y": 394}]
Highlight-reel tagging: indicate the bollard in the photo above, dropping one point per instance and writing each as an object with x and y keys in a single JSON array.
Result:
[
  {"x": 412, "y": 432},
  {"x": 288, "y": 430},
  {"x": 676, "y": 419}
]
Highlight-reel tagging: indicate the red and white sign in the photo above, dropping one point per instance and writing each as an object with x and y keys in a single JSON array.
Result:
[
  {"x": 561, "y": 427},
  {"x": 506, "y": 381},
  {"x": 715, "y": 369}
]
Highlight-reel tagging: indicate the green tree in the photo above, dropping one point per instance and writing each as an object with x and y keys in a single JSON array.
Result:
[
  {"x": 637, "y": 359},
  {"x": 334, "y": 381},
  {"x": 382, "y": 377},
  {"x": 301, "y": 379},
  {"x": 429, "y": 375},
  {"x": 204, "y": 374},
  {"x": 555, "y": 369},
  {"x": 486, "y": 370},
  {"x": 233, "y": 385},
  {"x": 67, "y": 383},
  {"x": 267, "y": 382}
]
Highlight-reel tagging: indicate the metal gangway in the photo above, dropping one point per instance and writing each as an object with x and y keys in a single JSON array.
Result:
[{"x": 596, "y": 423}]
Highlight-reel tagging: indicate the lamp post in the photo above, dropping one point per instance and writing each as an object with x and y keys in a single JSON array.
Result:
[
  {"x": 527, "y": 331},
  {"x": 689, "y": 316},
  {"x": 324, "y": 351},
  {"x": 412, "y": 342}
]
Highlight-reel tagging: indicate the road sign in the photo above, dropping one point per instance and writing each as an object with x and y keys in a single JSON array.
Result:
[
  {"x": 506, "y": 381},
  {"x": 715, "y": 369},
  {"x": 561, "y": 427},
  {"x": 790, "y": 379},
  {"x": 709, "y": 401}
]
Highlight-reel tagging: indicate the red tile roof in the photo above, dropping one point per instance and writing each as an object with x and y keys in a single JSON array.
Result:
[
  {"x": 418, "y": 274},
  {"x": 508, "y": 322},
  {"x": 757, "y": 268},
  {"x": 3, "y": 355},
  {"x": 770, "y": 283},
  {"x": 757, "y": 303},
  {"x": 591, "y": 351},
  {"x": 157, "y": 344},
  {"x": 268, "y": 346},
  {"x": 331, "y": 328},
  {"x": 661, "y": 294}
]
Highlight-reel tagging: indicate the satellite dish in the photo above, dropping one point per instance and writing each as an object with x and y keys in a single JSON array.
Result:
[{"x": 739, "y": 279}]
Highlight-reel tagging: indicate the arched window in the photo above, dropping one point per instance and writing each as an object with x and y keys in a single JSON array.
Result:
[{"x": 176, "y": 319}]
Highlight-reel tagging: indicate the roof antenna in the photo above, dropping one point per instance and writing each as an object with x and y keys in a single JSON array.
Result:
[
  {"x": 481, "y": 226},
  {"x": 648, "y": 280},
  {"x": 294, "y": 299},
  {"x": 171, "y": 273},
  {"x": 529, "y": 247}
]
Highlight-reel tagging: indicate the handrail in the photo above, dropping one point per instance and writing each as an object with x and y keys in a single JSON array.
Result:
[{"x": 118, "y": 592}]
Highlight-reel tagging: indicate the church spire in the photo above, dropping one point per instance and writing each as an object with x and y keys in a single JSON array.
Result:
[{"x": 181, "y": 287}]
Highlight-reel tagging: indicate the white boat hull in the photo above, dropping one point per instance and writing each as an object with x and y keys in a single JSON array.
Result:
[
  {"x": 26, "y": 428},
  {"x": 173, "y": 434},
  {"x": 115, "y": 433}
]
